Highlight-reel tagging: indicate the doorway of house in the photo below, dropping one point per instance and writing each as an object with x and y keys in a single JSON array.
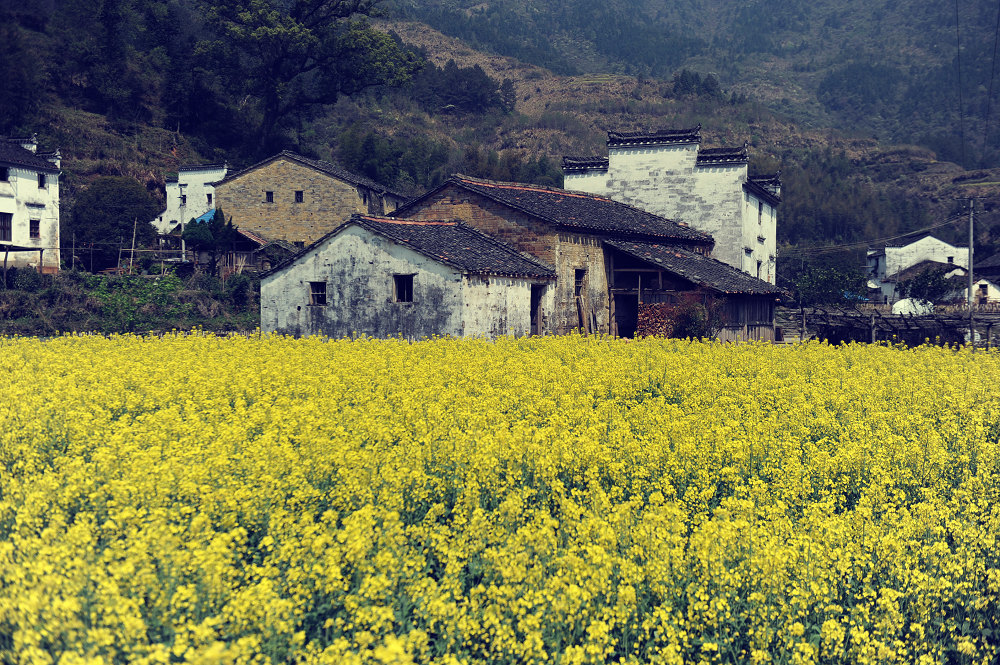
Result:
[
  {"x": 626, "y": 314},
  {"x": 537, "y": 291}
]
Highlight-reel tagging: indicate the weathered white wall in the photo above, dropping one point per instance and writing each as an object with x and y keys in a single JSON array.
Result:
[
  {"x": 927, "y": 248},
  {"x": 495, "y": 306},
  {"x": 884, "y": 265},
  {"x": 667, "y": 181},
  {"x": 196, "y": 183},
  {"x": 358, "y": 267},
  {"x": 21, "y": 196},
  {"x": 760, "y": 229},
  {"x": 591, "y": 181}
]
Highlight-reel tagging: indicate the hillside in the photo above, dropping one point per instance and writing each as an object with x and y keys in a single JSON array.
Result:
[
  {"x": 489, "y": 115},
  {"x": 878, "y": 67}
]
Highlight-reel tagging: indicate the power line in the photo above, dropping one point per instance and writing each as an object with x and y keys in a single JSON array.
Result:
[
  {"x": 989, "y": 97},
  {"x": 828, "y": 249},
  {"x": 961, "y": 102}
]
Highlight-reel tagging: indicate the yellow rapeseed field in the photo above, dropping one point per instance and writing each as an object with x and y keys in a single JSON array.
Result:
[{"x": 562, "y": 500}]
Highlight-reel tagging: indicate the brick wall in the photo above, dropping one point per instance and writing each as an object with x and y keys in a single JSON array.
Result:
[{"x": 326, "y": 201}]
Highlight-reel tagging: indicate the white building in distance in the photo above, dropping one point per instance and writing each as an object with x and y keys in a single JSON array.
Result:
[
  {"x": 29, "y": 205},
  {"x": 190, "y": 196},
  {"x": 891, "y": 265},
  {"x": 667, "y": 173}
]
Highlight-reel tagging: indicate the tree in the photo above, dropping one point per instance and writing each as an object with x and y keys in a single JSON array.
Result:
[
  {"x": 104, "y": 217},
  {"x": 215, "y": 236},
  {"x": 281, "y": 57},
  {"x": 930, "y": 285}
]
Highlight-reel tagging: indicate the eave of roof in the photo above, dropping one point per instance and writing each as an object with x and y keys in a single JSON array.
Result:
[
  {"x": 716, "y": 156},
  {"x": 12, "y": 154},
  {"x": 668, "y": 229},
  {"x": 322, "y": 166},
  {"x": 655, "y": 137},
  {"x": 761, "y": 192},
  {"x": 696, "y": 268},
  {"x": 584, "y": 164},
  {"x": 383, "y": 226}
]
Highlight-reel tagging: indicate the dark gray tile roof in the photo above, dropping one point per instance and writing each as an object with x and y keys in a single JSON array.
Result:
[
  {"x": 578, "y": 210},
  {"x": 450, "y": 242},
  {"x": 655, "y": 137},
  {"x": 697, "y": 268},
  {"x": 583, "y": 164},
  {"x": 202, "y": 167},
  {"x": 710, "y": 156},
  {"x": 458, "y": 245},
  {"x": 12, "y": 154},
  {"x": 322, "y": 166}
]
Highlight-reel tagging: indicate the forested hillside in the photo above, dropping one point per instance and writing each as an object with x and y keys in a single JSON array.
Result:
[
  {"x": 888, "y": 67},
  {"x": 139, "y": 87}
]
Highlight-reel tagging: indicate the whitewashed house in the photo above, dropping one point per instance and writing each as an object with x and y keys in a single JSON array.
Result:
[
  {"x": 893, "y": 264},
  {"x": 29, "y": 205},
  {"x": 190, "y": 195},
  {"x": 668, "y": 173},
  {"x": 386, "y": 277}
]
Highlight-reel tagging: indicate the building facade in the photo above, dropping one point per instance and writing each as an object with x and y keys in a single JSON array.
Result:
[
  {"x": 668, "y": 173},
  {"x": 888, "y": 266},
  {"x": 190, "y": 195},
  {"x": 297, "y": 199},
  {"x": 29, "y": 205},
  {"x": 386, "y": 277}
]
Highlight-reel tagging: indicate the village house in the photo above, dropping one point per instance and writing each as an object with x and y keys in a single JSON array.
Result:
[
  {"x": 668, "y": 173},
  {"x": 29, "y": 205},
  {"x": 190, "y": 195},
  {"x": 298, "y": 199},
  {"x": 389, "y": 277},
  {"x": 895, "y": 263}
]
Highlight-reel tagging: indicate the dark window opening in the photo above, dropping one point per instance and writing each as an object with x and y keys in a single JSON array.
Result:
[
  {"x": 760, "y": 212},
  {"x": 34, "y": 228},
  {"x": 403, "y": 288},
  {"x": 951, "y": 259},
  {"x": 6, "y": 226},
  {"x": 184, "y": 200},
  {"x": 268, "y": 197},
  {"x": 4, "y": 174},
  {"x": 581, "y": 276},
  {"x": 317, "y": 294},
  {"x": 758, "y": 269},
  {"x": 299, "y": 196},
  {"x": 208, "y": 198},
  {"x": 41, "y": 181}
]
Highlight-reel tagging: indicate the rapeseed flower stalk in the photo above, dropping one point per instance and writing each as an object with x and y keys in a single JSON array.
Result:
[{"x": 573, "y": 500}]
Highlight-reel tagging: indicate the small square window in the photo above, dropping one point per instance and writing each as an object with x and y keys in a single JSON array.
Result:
[
  {"x": 34, "y": 228},
  {"x": 951, "y": 259},
  {"x": 317, "y": 294},
  {"x": 403, "y": 287},
  {"x": 268, "y": 197},
  {"x": 299, "y": 196},
  {"x": 41, "y": 181}
]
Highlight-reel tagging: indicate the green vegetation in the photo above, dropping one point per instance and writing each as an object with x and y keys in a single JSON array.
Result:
[{"x": 75, "y": 301}]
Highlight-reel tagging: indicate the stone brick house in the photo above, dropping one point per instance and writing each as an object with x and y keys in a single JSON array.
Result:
[
  {"x": 668, "y": 173},
  {"x": 29, "y": 205},
  {"x": 561, "y": 228},
  {"x": 386, "y": 277},
  {"x": 298, "y": 199}
]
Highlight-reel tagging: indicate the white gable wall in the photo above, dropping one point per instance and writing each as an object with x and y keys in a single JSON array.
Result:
[
  {"x": 358, "y": 268},
  {"x": 927, "y": 248},
  {"x": 667, "y": 181}
]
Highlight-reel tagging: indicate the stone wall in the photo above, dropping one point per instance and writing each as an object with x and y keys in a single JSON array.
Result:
[{"x": 326, "y": 201}]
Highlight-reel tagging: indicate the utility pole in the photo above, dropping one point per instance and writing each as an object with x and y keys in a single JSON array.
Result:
[
  {"x": 972, "y": 327},
  {"x": 131, "y": 256}
]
